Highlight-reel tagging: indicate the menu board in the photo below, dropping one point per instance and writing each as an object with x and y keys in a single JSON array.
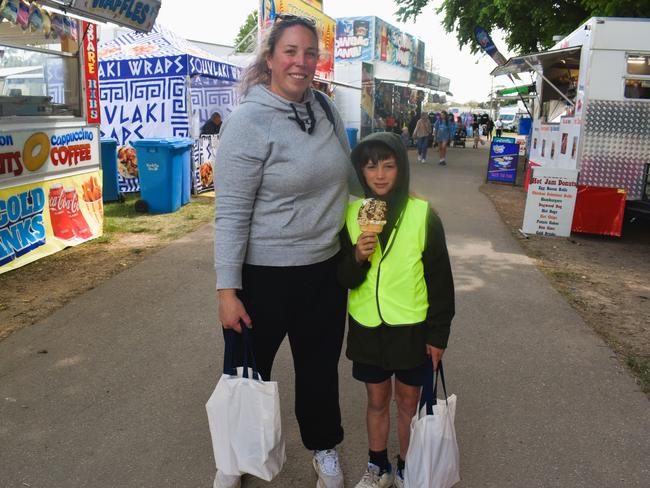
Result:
[{"x": 550, "y": 202}]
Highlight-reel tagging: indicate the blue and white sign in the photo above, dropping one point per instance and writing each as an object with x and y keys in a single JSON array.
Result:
[
  {"x": 502, "y": 165},
  {"x": 139, "y": 15}
]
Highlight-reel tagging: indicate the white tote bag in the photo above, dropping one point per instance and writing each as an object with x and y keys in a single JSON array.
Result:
[
  {"x": 432, "y": 460},
  {"x": 244, "y": 418}
]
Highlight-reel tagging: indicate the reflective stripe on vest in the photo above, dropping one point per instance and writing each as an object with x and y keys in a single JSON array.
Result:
[{"x": 394, "y": 291}]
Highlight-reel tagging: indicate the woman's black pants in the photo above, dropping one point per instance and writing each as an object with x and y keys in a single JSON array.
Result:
[{"x": 307, "y": 304}]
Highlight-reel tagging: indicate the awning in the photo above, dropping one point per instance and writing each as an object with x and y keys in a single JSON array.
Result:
[{"x": 560, "y": 58}]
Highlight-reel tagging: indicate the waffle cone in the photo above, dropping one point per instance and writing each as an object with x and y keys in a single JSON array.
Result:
[{"x": 372, "y": 227}]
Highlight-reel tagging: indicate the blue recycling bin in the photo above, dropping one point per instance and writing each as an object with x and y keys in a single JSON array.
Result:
[
  {"x": 110, "y": 189},
  {"x": 160, "y": 174},
  {"x": 182, "y": 149},
  {"x": 525, "y": 124},
  {"x": 352, "y": 137}
]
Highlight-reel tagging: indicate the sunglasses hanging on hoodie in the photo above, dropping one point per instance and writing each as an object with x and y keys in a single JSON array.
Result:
[{"x": 311, "y": 121}]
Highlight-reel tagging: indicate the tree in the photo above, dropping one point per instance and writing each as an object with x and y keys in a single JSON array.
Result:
[
  {"x": 529, "y": 25},
  {"x": 249, "y": 40}
]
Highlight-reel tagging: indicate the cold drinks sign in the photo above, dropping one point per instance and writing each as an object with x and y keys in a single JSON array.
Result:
[
  {"x": 50, "y": 195},
  {"x": 550, "y": 202}
]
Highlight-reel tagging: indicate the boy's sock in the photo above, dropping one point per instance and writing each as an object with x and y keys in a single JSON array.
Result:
[
  {"x": 400, "y": 463},
  {"x": 380, "y": 458}
]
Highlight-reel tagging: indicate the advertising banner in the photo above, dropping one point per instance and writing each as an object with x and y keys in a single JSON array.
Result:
[
  {"x": 427, "y": 79},
  {"x": 367, "y": 98},
  {"x": 136, "y": 14},
  {"x": 396, "y": 47},
  {"x": 91, "y": 72},
  {"x": 550, "y": 202},
  {"x": 326, "y": 27},
  {"x": 504, "y": 156},
  {"x": 203, "y": 162},
  {"x": 354, "y": 36},
  {"x": 33, "y": 155},
  {"x": 39, "y": 219},
  {"x": 315, "y": 3}
]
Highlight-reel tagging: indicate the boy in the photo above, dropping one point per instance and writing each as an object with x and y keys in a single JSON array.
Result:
[{"x": 399, "y": 325}]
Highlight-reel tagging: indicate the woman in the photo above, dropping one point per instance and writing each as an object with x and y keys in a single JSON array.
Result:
[
  {"x": 443, "y": 136},
  {"x": 421, "y": 135},
  {"x": 281, "y": 195}
]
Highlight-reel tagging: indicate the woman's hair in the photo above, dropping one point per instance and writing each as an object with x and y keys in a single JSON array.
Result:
[{"x": 258, "y": 73}]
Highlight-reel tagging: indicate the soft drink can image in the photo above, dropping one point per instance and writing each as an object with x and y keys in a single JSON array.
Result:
[
  {"x": 61, "y": 225},
  {"x": 79, "y": 224}
]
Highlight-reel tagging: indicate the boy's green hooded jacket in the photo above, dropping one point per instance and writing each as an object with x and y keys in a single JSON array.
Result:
[{"x": 401, "y": 347}]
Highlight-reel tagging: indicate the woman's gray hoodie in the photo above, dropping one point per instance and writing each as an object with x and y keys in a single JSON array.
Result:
[{"x": 281, "y": 188}]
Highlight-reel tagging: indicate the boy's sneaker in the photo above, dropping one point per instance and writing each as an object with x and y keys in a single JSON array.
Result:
[
  {"x": 326, "y": 464},
  {"x": 222, "y": 480},
  {"x": 399, "y": 479},
  {"x": 374, "y": 477}
]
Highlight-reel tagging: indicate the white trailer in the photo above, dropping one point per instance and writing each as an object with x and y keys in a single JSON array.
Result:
[{"x": 592, "y": 112}]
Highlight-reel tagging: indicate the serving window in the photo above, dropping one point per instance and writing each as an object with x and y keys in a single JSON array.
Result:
[
  {"x": 39, "y": 72},
  {"x": 638, "y": 64}
]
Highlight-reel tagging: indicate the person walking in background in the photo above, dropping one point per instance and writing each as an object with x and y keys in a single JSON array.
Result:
[
  {"x": 499, "y": 126},
  {"x": 412, "y": 123},
  {"x": 213, "y": 125},
  {"x": 452, "y": 127},
  {"x": 421, "y": 135},
  {"x": 476, "y": 131},
  {"x": 399, "y": 325},
  {"x": 490, "y": 128},
  {"x": 443, "y": 136},
  {"x": 281, "y": 196}
]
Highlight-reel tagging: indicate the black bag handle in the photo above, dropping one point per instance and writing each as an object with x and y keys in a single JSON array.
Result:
[
  {"x": 429, "y": 395},
  {"x": 247, "y": 344}
]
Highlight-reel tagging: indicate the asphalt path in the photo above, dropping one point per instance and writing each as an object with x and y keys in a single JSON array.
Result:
[{"x": 109, "y": 391}]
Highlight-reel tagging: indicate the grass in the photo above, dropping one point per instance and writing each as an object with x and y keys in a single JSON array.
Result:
[
  {"x": 122, "y": 218},
  {"x": 641, "y": 367}
]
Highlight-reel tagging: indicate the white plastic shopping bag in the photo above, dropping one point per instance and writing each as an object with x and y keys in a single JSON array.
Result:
[
  {"x": 432, "y": 460},
  {"x": 244, "y": 418}
]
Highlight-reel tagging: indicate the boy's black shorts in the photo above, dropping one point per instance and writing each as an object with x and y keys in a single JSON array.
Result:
[{"x": 374, "y": 374}]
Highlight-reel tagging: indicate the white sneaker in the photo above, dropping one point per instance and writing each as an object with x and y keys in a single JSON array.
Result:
[
  {"x": 222, "y": 480},
  {"x": 374, "y": 478},
  {"x": 399, "y": 479},
  {"x": 326, "y": 464}
]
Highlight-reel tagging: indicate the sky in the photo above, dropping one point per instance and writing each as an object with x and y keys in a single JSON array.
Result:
[{"x": 218, "y": 21}]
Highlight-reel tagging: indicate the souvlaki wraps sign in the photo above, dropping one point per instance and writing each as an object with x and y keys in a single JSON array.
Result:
[{"x": 179, "y": 65}]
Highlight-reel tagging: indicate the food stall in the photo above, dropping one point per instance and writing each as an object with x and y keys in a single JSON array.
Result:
[
  {"x": 386, "y": 66},
  {"x": 50, "y": 182},
  {"x": 592, "y": 116},
  {"x": 160, "y": 85}
]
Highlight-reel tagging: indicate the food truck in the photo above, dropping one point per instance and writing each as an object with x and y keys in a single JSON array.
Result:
[
  {"x": 50, "y": 181},
  {"x": 592, "y": 115}
]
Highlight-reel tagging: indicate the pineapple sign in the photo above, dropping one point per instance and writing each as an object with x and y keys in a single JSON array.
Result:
[{"x": 326, "y": 27}]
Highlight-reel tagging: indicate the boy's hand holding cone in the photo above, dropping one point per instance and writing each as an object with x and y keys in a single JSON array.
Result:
[{"x": 371, "y": 219}]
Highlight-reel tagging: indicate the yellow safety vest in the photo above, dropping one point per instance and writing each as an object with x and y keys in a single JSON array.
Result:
[{"x": 394, "y": 291}]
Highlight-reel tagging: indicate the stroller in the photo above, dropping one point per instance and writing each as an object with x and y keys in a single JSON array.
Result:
[{"x": 460, "y": 136}]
